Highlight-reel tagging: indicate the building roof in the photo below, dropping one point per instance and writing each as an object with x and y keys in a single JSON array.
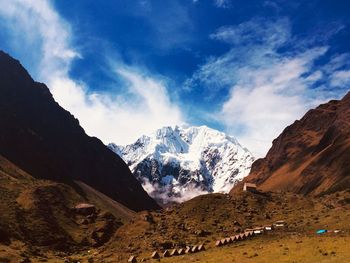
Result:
[
  {"x": 83, "y": 206},
  {"x": 280, "y": 222}
]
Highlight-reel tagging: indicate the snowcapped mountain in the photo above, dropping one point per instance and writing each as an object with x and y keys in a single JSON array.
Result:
[{"x": 176, "y": 164}]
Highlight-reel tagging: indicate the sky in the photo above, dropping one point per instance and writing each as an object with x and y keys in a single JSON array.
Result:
[{"x": 127, "y": 68}]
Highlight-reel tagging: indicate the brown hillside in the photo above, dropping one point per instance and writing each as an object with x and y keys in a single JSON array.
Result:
[
  {"x": 207, "y": 218},
  {"x": 37, "y": 222},
  {"x": 39, "y": 213},
  {"x": 311, "y": 156},
  {"x": 46, "y": 141}
]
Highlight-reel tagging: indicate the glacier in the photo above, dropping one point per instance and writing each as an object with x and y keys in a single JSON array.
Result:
[{"x": 177, "y": 163}]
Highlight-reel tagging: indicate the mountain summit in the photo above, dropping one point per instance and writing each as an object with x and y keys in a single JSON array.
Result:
[
  {"x": 181, "y": 162},
  {"x": 47, "y": 142},
  {"x": 311, "y": 156}
]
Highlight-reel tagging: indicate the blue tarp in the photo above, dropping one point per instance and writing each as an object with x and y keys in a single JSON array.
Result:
[{"x": 321, "y": 231}]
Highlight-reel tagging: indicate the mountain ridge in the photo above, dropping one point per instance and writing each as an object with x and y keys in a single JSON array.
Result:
[
  {"x": 47, "y": 141},
  {"x": 311, "y": 156},
  {"x": 174, "y": 161}
]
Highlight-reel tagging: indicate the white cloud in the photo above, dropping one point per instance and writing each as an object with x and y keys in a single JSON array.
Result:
[
  {"x": 36, "y": 24},
  {"x": 267, "y": 89},
  {"x": 165, "y": 194},
  {"x": 315, "y": 76},
  {"x": 265, "y": 100},
  {"x": 337, "y": 62},
  {"x": 258, "y": 31},
  {"x": 340, "y": 78},
  {"x": 113, "y": 118},
  {"x": 253, "y": 43}
]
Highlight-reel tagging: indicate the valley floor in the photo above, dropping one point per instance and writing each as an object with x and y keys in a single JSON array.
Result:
[
  {"x": 265, "y": 249},
  {"x": 208, "y": 218},
  {"x": 289, "y": 249}
]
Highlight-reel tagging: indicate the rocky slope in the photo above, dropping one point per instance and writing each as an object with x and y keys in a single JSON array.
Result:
[
  {"x": 47, "y": 142},
  {"x": 179, "y": 163},
  {"x": 38, "y": 219},
  {"x": 311, "y": 156}
]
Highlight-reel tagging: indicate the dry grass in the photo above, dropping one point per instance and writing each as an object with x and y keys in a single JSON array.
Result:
[
  {"x": 218, "y": 215},
  {"x": 294, "y": 248}
]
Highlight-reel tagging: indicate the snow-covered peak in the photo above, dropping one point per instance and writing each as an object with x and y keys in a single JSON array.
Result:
[{"x": 181, "y": 156}]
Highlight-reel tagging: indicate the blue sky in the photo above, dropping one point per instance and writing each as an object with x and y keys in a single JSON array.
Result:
[{"x": 126, "y": 68}]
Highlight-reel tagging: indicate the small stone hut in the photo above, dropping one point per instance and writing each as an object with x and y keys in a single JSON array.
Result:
[
  {"x": 85, "y": 209},
  {"x": 249, "y": 187}
]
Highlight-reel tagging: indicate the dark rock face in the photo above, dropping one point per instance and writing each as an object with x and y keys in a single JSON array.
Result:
[
  {"x": 47, "y": 141},
  {"x": 155, "y": 172},
  {"x": 311, "y": 156}
]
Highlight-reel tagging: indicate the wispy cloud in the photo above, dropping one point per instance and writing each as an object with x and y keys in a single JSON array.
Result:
[
  {"x": 252, "y": 42},
  {"x": 219, "y": 3},
  {"x": 119, "y": 118},
  {"x": 171, "y": 24},
  {"x": 47, "y": 36},
  {"x": 222, "y": 3},
  {"x": 341, "y": 78},
  {"x": 265, "y": 100},
  {"x": 257, "y": 31},
  {"x": 267, "y": 88}
]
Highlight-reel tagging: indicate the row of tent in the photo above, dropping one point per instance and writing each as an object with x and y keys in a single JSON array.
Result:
[
  {"x": 180, "y": 251},
  {"x": 228, "y": 240},
  {"x": 173, "y": 252},
  {"x": 249, "y": 233},
  {"x": 231, "y": 239}
]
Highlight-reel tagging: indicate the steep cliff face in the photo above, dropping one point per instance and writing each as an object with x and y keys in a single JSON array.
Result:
[
  {"x": 46, "y": 141},
  {"x": 311, "y": 156}
]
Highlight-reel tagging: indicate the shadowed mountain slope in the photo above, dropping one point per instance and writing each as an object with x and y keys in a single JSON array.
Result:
[
  {"x": 46, "y": 141},
  {"x": 311, "y": 156},
  {"x": 38, "y": 216}
]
